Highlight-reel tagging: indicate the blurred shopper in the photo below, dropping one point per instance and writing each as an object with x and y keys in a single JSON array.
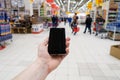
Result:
[
  {"x": 54, "y": 21},
  {"x": 75, "y": 17},
  {"x": 74, "y": 27},
  {"x": 88, "y": 23},
  {"x": 62, "y": 19},
  {"x": 65, "y": 20},
  {"x": 74, "y": 24},
  {"x": 99, "y": 23},
  {"x": 46, "y": 24},
  {"x": 69, "y": 20}
]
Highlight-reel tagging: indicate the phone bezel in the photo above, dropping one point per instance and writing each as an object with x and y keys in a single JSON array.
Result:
[{"x": 65, "y": 42}]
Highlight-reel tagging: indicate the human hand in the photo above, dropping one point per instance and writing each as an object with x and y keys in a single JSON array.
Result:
[{"x": 51, "y": 61}]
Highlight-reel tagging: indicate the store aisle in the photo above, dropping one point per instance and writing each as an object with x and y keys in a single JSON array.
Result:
[{"x": 88, "y": 59}]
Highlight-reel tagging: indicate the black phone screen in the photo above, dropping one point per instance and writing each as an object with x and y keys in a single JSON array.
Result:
[{"x": 57, "y": 42}]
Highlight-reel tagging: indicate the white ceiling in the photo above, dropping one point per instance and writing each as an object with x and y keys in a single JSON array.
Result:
[
  {"x": 67, "y": 5},
  {"x": 72, "y": 5}
]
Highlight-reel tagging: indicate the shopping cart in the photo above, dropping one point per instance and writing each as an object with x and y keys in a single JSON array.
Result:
[{"x": 101, "y": 31}]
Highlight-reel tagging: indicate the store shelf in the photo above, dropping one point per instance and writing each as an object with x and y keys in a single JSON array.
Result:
[
  {"x": 116, "y": 0},
  {"x": 115, "y": 12},
  {"x": 112, "y": 9},
  {"x": 111, "y": 14},
  {"x": 5, "y": 33},
  {"x": 112, "y": 17},
  {"x": 114, "y": 37},
  {"x": 113, "y": 25},
  {"x": 42, "y": 11},
  {"x": 112, "y": 30},
  {"x": 5, "y": 37}
]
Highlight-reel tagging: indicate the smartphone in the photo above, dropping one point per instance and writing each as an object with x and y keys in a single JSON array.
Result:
[{"x": 57, "y": 41}]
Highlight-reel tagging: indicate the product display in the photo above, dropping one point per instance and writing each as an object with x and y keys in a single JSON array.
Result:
[
  {"x": 5, "y": 37},
  {"x": 23, "y": 25},
  {"x": 4, "y": 28},
  {"x": 37, "y": 28},
  {"x": 42, "y": 11},
  {"x": 112, "y": 14},
  {"x": 113, "y": 25},
  {"x": 5, "y": 31},
  {"x": 116, "y": 0}
]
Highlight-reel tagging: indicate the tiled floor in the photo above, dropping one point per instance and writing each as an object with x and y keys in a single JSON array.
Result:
[{"x": 89, "y": 57}]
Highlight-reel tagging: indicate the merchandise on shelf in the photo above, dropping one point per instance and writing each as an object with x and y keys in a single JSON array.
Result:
[
  {"x": 118, "y": 16},
  {"x": 3, "y": 16},
  {"x": 113, "y": 11},
  {"x": 116, "y": 0},
  {"x": 112, "y": 15},
  {"x": 4, "y": 28},
  {"x": 41, "y": 11},
  {"x": 5, "y": 32},
  {"x": 113, "y": 25},
  {"x": 5, "y": 37}
]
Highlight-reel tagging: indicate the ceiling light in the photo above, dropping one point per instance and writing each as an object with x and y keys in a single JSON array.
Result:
[
  {"x": 58, "y": 2},
  {"x": 84, "y": 6},
  {"x": 62, "y": 4},
  {"x": 68, "y": 5},
  {"x": 64, "y": 1}
]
